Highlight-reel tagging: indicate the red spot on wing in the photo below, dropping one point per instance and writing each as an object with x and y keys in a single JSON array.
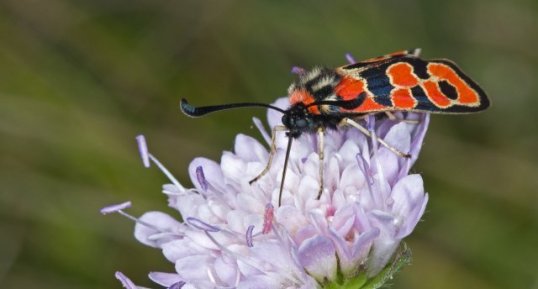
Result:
[
  {"x": 466, "y": 95},
  {"x": 401, "y": 74},
  {"x": 349, "y": 88},
  {"x": 403, "y": 79},
  {"x": 435, "y": 95},
  {"x": 402, "y": 98},
  {"x": 369, "y": 105}
]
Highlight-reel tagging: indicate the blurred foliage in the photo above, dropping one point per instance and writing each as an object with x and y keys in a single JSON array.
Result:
[{"x": 79, "y": 79}]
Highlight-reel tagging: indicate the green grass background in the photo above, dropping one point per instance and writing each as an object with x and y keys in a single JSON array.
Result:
[{"x": 79, "y": 79}]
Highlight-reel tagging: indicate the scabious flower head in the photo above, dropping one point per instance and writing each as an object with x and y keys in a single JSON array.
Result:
[{"x": 232, "y": 234}]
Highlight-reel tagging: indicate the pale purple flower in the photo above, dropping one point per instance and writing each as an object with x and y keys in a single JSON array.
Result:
[
  {"x": 234, "y": 235},
  {"x": 350, "y": 59},
  {"x": 125, "y": 281},
  {"x": 115, "y": 208}
]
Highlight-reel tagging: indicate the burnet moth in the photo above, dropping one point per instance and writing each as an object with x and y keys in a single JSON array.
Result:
[{"x": 325, "y": 98}]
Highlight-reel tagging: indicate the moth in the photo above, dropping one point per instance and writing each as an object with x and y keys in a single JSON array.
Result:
[{"x": 324, "y": 98}]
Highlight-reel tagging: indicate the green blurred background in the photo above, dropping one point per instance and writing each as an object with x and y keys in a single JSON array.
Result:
[{"x": 79, "y": 79}]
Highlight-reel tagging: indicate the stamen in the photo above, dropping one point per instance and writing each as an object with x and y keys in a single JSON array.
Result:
[
  {"x": 249, "y": 236},
  {"x": 147, "y": 157},
  {"x": 125, "y": 281},
  {"x": 297, "y": 70},
  {"x": 350, "y": 59},
  {"x": 136, "y": 220},
  {"x": 363, "y": 165},
  {"x": 115, "y": 208},
  {"x": 201, "y": 178},
  {"x": 143, "y": 149},
  {"x": 268, "y": 218},
  {"x": 177, "y": 285},
  {"x": 119, "y": 209},
  {"x": 201, "y": 225},
  {"x": 370, "y": 122},
  {"x": 166, "y": 172}
]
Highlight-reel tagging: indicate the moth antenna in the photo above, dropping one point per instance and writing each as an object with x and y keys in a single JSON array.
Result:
[{"x": 193, "y": 111}]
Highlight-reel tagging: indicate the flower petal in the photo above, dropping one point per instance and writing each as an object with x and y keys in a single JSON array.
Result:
[
  {"x": 274, "y": 117},
  {"x": 165, "y": 279},
  {"x": 407, "y": 194},
  {"x": 187, "y": 269},
  {"x": 116, "y": 207},
  {"x": 212, "y": 173},
  {"x": 249, "y": 149},
  {"x": 162, "y": 229},
  {"x": 317, "y": 255},
  {"x": 125, "y": 281}
]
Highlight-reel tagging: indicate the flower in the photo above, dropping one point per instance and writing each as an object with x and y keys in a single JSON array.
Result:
[{"x": 234, "y": 235}]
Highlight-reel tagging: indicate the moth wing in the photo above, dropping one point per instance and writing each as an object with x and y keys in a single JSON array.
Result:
[
  {"x": 412, "y": 84},
  {"x": 450, "y": 89},
  {"x": 370, "y": 62}
]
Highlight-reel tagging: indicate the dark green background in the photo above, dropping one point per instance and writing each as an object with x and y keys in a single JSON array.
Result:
[{"x": 79, "y": 79}]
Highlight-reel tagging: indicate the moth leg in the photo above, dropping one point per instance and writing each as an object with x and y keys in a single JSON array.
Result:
[
  {"x": 348, "y": 121},
  {"x": 321, "y": 155},
  {"x": 391, "y": 116},
  {"x": 271, "y": 153}
]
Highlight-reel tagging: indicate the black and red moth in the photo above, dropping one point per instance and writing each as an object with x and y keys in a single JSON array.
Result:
[{"x": 328, "y": 98}]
